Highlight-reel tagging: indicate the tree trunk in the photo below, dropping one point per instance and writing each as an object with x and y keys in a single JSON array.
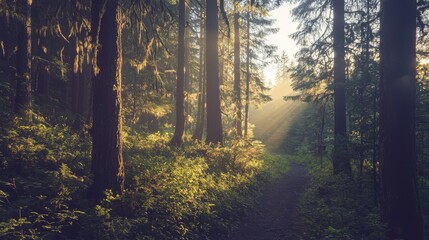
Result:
[
  {"x": 187, "y": 78},
  {"x": 198, "y": 133},
  {"x": 374, "y": 147},
  {"x": 246, "y": 108},
  {"x": 4, "y": 41},
  {"x": 341, "y": 161},
  {"x": 204, "y": 103},
  {"x": 222, "y": 73},
  {"x": 43, "y": 71},
  {"x": 399, "y": 200},
  {"x": 83, "y": 91},
  {"x": 75, "y": 80},
  {"x": 23, "y": 59},
  {"x": 237, "y": 80},
  {"x": 107, "y": 163},
  {"x": 177, "y": 139},
  {"x": 214, "y": 118}
]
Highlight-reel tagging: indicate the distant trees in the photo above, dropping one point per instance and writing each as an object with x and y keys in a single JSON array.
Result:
[
  {"x": 201, "y": 112},
  {"x": 214, "y": 118},
  {"x": 107, "y": 163},
  {"x": 257, "y": 27},
  {"x": 399, "y": 200}
]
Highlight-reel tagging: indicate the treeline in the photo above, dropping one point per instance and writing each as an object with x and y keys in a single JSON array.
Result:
[{"x": 364, "y": 66}]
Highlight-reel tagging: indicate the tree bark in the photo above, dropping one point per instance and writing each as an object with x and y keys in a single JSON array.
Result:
[
  {"x": 246, "y": 108},
  {"x": 75, "y": 84},
  {"x": 214, "y": 118},
  {"x": 237, "y": 80},
  {"x": 4, "y": 40},
  {"x": 107, "y": 163},
  {"x": 188, "y": 79},
  {"x": 79, "y": 85},
  {"x": 23, "y": 59},
  {"x": 198, "y": 133},
  {"x": 43, "y": 71},
  {"x": 399, "y": 195},
  {"x": 341, "y": 161},
  {"x": 177, "y": 139}
]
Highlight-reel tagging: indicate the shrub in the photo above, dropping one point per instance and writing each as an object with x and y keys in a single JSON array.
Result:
[{"x": 197, "y": 191}]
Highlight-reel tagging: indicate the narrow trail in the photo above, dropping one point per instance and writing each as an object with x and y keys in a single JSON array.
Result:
[
  {"x": 275, "y": 216},
  {"x": 276, "y": 212}
]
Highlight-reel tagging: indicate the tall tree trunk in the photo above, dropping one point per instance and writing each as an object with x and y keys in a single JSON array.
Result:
[
  {"x": 341, "y": 160},
  {"x": 75, "y": 84},
  {"x": 237, "y": 80},
  {"x": 399, "y": 200},
  {"x": 82, "y": 91},
  {"x": 4, "y": 41},
  {"x": 23, "y": 59},
  {"x": 78, "y": 81},
  {"x": 198, "y": 133},
  {"x": 246, "y": 108},
  {"x": 222, "y": 73},
  {"x": 374, "y": 147},
  {"x": 204, "y": 102},
  {"x": 43, "y": 71},
  {"x": 214, "y": 118},
  {"x": 177, "y": 139},
  {"x": 107, "y": 163},
  {"x": 187, "y": 78},
  {"x": 86, "y": 90}
]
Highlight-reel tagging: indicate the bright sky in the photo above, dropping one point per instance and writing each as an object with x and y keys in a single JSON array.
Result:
[{"x": 281, "y": 39}]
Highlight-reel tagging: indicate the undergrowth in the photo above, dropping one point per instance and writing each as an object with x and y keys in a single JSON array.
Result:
[
  {"x": 335, "y": 206},
  {"x": 193, "y": 192},
  {"x": 332, "y": 206}
]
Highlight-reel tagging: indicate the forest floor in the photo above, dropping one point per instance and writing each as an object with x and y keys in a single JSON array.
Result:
[{"x": 276, "y": 214}]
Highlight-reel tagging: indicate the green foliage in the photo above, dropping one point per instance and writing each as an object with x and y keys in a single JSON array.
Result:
[
  {"x": 44, "y": 173},
  {"x": 194, "y": 192},
  {"x": 333, "y": 208}
]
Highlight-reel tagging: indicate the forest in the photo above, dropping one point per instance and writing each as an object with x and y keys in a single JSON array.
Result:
[{"x": 153, "y": 119}]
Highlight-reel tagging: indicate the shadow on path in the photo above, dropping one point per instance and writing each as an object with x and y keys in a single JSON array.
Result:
[{"x": 276, "y": 212}]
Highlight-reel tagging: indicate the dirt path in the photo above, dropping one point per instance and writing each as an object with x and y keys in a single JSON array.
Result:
[{"x": 276, "y": 211}]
